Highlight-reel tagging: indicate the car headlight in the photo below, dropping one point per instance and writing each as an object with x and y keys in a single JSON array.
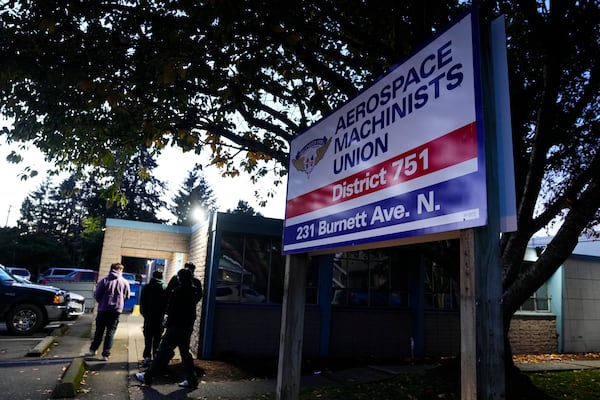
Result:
[{"x": 58, "y": 299}]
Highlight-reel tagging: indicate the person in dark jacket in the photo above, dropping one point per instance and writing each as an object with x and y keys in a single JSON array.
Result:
[
  {"x": 111, "y": 293},
  {"x": 153, "y": 304},
  {"x": 181, "y": 314},
  {"x": 174, "y": 282}
]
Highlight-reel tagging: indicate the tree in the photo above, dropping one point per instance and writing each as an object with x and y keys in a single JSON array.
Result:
[
  {"x": 83, "y": 79},
  {"x": 36, "y": 252},
  {"x": 56, "y": 212},
  {"x": 204, "y": 74},
  {"x": 243, "y": 208},
  {"x": 92, "y": 239},
  {"x": 38, "y": 211},
  {"x": 195, "y": 193},
  {"x": 554, "y": 56},
  {"x": 139, "y": 196},
  {"x": 69, "y": 212},
  {"x": 8, "y": 253}
]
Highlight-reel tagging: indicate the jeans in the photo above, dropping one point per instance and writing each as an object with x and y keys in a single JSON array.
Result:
[
  {"x": 106, "y": 322},
  {"x": 179, "y": 337}
]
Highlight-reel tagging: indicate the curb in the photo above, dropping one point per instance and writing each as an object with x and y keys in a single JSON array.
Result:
[
  {"x": 43, "y": 346},
  {"x": 60, "y": 330},
  {"x": 71, "y": 380}
]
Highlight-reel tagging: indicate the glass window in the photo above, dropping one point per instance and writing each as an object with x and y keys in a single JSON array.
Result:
[
  {"x": 441, "y": 290},
  {"x": 371, "y": 278},
  {"x": 539, "y": 301},
  {"x": 251, "y": 269}
]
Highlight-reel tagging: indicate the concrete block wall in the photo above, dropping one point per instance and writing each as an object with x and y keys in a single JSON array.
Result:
[
  {"x": 142, "y": 243},
  {"x": 176, "y": 245},
  {"x": 142, "y": 240},
  {"x": 198, "y": 250},
  {"x": 533, "y": 334},
  {"x": 111, "y": 250}
]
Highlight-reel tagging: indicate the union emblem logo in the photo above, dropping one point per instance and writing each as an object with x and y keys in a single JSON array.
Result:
[{"x": 310, "y": 155}]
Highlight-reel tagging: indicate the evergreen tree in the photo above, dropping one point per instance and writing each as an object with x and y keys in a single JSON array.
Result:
[
  {"x": 38, "y": 211},
  {"x": 92, "y": 238},
  {"x": 243, "y": 207},
  {"x": 139, "y": 195},
  {"x": 94, "y": 198},
  {"x": 194, "y": 193},
  {"x": 56, "y": 212},
  {"x": 69, "y": 212},
  {"x": 38, "y": 252},
  {"x": 142, "y": 191}
]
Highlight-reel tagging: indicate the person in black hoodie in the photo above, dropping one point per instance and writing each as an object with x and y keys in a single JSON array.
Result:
[
  {"x": 153, "y": 304},
  {"x": 181, "y": 314},
  {"x": 174, "y": 282}
]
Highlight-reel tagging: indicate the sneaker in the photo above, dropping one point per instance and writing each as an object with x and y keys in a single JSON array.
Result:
[
  {"x": 188, "y": 384},
  {"x": 105, "y": 358},
  {"x": 90, "y": 353},
  {"x": 142, "y": 378}
]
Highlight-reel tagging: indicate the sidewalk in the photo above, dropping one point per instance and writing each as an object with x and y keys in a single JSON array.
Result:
[
  {"x": 241, "y": 389},
  {"x": 115, "y": 379},
  {"x": 161, "y": 388}
]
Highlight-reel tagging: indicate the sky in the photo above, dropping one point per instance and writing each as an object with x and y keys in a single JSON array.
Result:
[{"x": 173, "y": 166}]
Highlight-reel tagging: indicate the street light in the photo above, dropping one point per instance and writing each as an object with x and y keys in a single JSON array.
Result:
[
  {"x": 7, "y": 216},
  {"x": 199, "y": 214}
]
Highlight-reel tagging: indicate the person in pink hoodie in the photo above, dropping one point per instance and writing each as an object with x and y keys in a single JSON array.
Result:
[{"x": 111, "y": 293}]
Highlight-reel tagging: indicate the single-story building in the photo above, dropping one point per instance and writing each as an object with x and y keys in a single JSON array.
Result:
[
  {"x": 382, "y": 303},
  {"x": 564, "y": 314}
]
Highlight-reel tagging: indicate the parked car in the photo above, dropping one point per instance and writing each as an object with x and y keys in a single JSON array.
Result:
[
  {"x": 231, "y": 293},
  {"x": 78, "y": 275},
  {"x": 76, "y": 305},
  {"x": 53, "y": 273},
  {"x": 26, "y": 307},
  {"x": 76, "y": 302},
  {"x": 22, "y": 272}
]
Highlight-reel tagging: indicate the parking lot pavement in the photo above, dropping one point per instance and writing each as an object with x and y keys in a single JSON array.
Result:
[
  {"x": 23, "y": 376},
  {"x": 31, "y": 380},
  {"x": 16, "y": 347}
]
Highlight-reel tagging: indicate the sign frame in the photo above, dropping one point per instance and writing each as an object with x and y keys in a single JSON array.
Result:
[{"x": 400, "y": 159}]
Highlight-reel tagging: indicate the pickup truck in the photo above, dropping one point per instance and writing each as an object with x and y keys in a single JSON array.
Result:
[{"x": 27, "y": 308}]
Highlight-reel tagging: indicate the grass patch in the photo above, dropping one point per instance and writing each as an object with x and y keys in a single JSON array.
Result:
[
  {"x": 424, "y": 385},
  {"x": 570, "y": 385},
  {"x": 442, "y": 383}
]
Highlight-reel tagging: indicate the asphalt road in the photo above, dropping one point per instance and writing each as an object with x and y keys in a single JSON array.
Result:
[{"x": 23, "y": 377}]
